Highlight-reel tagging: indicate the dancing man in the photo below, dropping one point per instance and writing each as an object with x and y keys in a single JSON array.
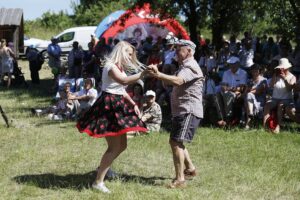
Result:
[{"x": 186, "y": 106}]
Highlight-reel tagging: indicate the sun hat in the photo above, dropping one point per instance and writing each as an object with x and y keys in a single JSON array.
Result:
[
  {"x": 284, "y": 64},
  {"x": 233, "y": 60},
  {"x": 186, "y": 43},
  {"x": 150, "y": 93}
]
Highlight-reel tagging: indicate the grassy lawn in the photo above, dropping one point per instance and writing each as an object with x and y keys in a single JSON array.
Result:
[{"x": 42, "y": 159}]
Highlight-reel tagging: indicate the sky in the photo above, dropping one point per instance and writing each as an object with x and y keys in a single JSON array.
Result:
[{"x": 33, "y": 9}]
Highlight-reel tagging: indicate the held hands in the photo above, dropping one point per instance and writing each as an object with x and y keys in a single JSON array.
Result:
[{"x": 152, "y": 70}]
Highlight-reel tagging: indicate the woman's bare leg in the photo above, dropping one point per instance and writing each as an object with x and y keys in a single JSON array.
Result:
[{"x": 116, "y": 145}]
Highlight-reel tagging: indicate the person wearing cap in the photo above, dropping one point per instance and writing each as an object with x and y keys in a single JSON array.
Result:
[
  {"x": 186, "y": 107},
  {"x": 151, "y": 112},
  {"x": 230, "y": 100},
  {"x": 282, "y": 83},
  {"x": 255, "y": 94},
  {"x": 54, "y": 53},
  {"x": 234, "y": 76}
]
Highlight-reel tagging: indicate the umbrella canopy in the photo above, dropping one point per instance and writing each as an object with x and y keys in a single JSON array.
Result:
[{"x": 140, "y": 23}]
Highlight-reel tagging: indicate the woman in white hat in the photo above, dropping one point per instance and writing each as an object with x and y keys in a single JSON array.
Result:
[{"x": 282, "y": 97}]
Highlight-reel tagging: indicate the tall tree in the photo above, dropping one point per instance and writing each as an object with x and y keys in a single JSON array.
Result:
[
  {"x": 91, "y": 12},
  {"x": 221, "y": 15},
  {"x": 286, "y": 15}
]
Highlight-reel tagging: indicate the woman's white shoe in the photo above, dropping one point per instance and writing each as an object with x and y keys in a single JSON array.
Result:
[{"x": 101, "y": 187}]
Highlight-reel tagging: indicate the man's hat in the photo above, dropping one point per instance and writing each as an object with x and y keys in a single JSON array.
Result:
[{"x": 186, "y": 43}]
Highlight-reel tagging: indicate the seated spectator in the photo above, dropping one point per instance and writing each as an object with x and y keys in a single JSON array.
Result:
[
  {"x": 80, "y": 81},
  {"x": 229, "y": 100},
  {"x": 255, "y": 94},
  {"x": 84, "y": 99},
  {"x": 62, "y": 78},
  {"x": 151, "y": 112},
  {"x": 282, "y": 83},
  {"x": 60, "y": 110}
]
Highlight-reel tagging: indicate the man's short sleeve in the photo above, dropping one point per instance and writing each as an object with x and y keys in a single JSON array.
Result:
[{"x": 187, "y": 74}]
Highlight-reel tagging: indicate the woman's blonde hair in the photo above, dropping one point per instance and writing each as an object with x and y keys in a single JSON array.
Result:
[{"x": 120, "y": 57}]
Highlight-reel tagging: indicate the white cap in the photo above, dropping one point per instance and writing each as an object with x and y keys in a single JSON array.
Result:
[
  {"x": 283, "y": 64},
  {"x": 233, "y": 60},
  {"x": 150, "y": 93}
]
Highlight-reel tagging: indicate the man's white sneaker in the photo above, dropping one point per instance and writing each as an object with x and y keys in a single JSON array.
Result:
[{"x": 101, "y": 187}]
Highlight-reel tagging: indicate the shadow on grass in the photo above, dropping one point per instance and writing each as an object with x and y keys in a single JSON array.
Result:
[
  {"x": 78, "y": 181},
  {"x": 41, "y": 90}
]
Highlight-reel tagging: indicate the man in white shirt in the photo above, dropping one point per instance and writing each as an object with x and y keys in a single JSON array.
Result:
[
  {"x": 234, "y": 76},
  {"x": 229, "y": 101},
  {"x": 85, "y": 98}
]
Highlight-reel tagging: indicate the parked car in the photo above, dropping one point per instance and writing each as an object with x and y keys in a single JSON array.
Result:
[
  {"x": 80, "y": 34},
  {"x": 65, "y": 39},
  {"x": 35, "y": 42}
]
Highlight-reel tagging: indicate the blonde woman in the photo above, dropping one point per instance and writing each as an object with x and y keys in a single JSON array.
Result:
[
  {"x": 114, "y": 113},
  {"x": 7, "y": 57}
]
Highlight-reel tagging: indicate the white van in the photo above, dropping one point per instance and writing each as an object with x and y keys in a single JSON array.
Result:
[
  {"x": 80, "y": 34},
  {"x": 65, "y": 39}
]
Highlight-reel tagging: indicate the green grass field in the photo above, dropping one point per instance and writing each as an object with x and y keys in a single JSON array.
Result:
[{"x": 42, "y": 159}]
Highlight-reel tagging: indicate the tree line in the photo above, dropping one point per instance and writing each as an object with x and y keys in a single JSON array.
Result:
[{"x": 220, "y": 16}]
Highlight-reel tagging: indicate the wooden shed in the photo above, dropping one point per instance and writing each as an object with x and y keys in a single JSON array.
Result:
[{"x": 12, "y": 28}]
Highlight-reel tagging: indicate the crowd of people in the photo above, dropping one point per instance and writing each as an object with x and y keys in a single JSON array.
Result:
[{"x": 254, "y": 78}]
